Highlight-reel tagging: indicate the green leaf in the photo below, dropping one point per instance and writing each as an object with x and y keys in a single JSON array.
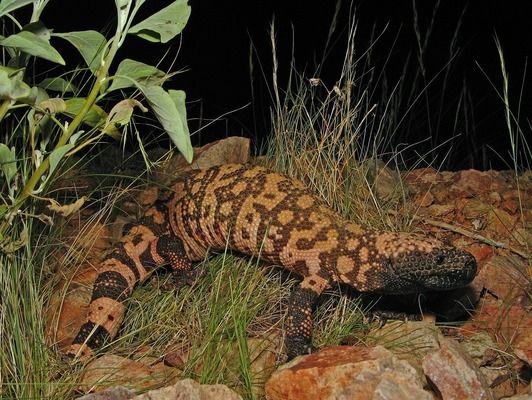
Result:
[
  {"x": 170, "y": 111},
  {"x": 39, "y": 29},
  {"x": 32, "y": 44},
  {"x": 7, "y": 6},
  {"x": 57, "y": 155},
  {"x": 94, "y": 118},
  {"x": 165, "y": 24},
  {"x": 90, "y": 44},
  {"x": 123, "y": 8},
  {"x": 131, "y": 72},
  {"x": 58, "y": 85},
  {"x": 12, "y": 87},
  {"x": 3, "y": 211},
  {"x": 179, "y": 97},
  {"x": 8, "y": 162}
]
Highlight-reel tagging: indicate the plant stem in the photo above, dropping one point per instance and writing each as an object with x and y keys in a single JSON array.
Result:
[{"x": 72, "y": 128}]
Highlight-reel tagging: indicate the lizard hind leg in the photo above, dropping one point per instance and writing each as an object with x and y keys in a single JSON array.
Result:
[
  {"x": 106, "y": 310},
  {"x": 300, "y": 307},
  {"x": 128, "y": 263}
]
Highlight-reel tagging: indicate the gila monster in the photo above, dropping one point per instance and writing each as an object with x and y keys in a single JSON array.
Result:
[{"x": 268, "y": 215}]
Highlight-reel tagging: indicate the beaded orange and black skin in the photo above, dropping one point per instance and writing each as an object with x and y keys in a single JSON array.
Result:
[{"x": 268, "y": 215}]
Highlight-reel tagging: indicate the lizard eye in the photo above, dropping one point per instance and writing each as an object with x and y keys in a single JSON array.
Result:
[{"x": 440, "y": 259}]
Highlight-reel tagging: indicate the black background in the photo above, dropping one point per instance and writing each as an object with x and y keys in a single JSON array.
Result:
[{"x": 215, "y": 48}]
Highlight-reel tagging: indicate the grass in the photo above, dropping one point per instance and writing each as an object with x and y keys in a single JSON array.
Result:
[
  {"x": 21, "y": 328},
  {"x": 329, "y": 137}
]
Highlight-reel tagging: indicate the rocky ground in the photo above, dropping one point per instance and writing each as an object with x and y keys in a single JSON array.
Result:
[{"x": 488, "y": 356}]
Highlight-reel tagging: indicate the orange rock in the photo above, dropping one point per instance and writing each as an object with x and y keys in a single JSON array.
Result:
[
  {"x": 510, "y": 205},
  {"x": 112, "y": 370},
  {"x": 508, "y": 325},
  {"x": 500, "y": 222},
  {"x": 191, "y": 390},
  {"x": 454, "y": 372},
  {"x": 495, "y": 198},
  {"x": 424, "y": 199},
  {"x": 343, "y": 372},
  {"x": 422, "y": 175},
  {"x": 437, "y": 210},
  {"x": 481, "y": 252},
  {"x": 474, "y": 180},
  {"x": 505, "y": 278}
]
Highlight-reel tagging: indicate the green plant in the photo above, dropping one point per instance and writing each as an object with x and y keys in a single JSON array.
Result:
[
  {"x": 44, "y": 122},
  {"x": 49, "y": 130}
]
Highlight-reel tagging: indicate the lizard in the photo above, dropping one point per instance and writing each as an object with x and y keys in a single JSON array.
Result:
[{"x": 257, "y": 212}]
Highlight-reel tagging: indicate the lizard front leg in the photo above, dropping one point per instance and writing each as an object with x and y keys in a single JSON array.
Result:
[
  {"x": 183, "y": 274},
  {"x": 300, "y": 307}
]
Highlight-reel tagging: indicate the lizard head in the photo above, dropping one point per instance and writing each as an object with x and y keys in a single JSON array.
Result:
[{"x": 410, "y": 264}]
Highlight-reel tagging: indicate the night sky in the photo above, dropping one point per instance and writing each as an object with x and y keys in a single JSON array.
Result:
[{"x": 215, "y": 50}]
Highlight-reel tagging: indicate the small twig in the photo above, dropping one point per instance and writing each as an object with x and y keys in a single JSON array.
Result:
[{"x": 465, "y": 232}]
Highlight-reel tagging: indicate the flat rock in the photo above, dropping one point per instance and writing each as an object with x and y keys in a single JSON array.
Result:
[
  {"x": 189, "y": 389},
  {"x": 111, "y": 370},
  {"x": 344, "y": 372},
  {"x": 385, "y": 181},
  {"x": 229, "y": 150},
  {"x": 114, "y": 393},
  {"x": 408, "y": 340}
]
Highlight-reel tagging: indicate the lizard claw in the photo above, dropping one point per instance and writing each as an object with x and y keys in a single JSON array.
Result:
[{"x": 180, "y": 278}]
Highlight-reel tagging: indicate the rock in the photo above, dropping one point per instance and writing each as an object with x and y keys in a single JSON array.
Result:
[
  {"x": 479, "y": 346},
  {"x": 229, "y": 150},
  {"x": 454, "y": 373},
  {"x": 408, "y": 340},
  {"x": 263, "y": 356},
  {"x": 188, "y": 389},
  {"x": 115, "y": 393},
  {"x": 473, "y": 180},
  {"x": 343, "y": 372},
  {"x": 500, "y": 223},
  {"x": 424, "y": 199},
  {"x": 262, "y": 351},
  {"x": 111, "y": 370},
  {"x": 523, "y": 349},
  {"x": 423, "y": 176},
  {"x": 473, "y": 208},
  {"x": 523, "y": 344},
  {"x": 386, "y": 182},
  {"x": 66, "y": 311},
  {"x": 495, "y": 198},
  {"x": 491, "y": 362},
  {"x": 506, "y": 323},
  {"x": 510, "y": 205},
  {"x": 441, "y": 210},
  {"x": 481, "y": 252},
  {"x": 519, "y": 397},
  {"x": 505, "y": 277},
  {"x": 523, "y": 236}
]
